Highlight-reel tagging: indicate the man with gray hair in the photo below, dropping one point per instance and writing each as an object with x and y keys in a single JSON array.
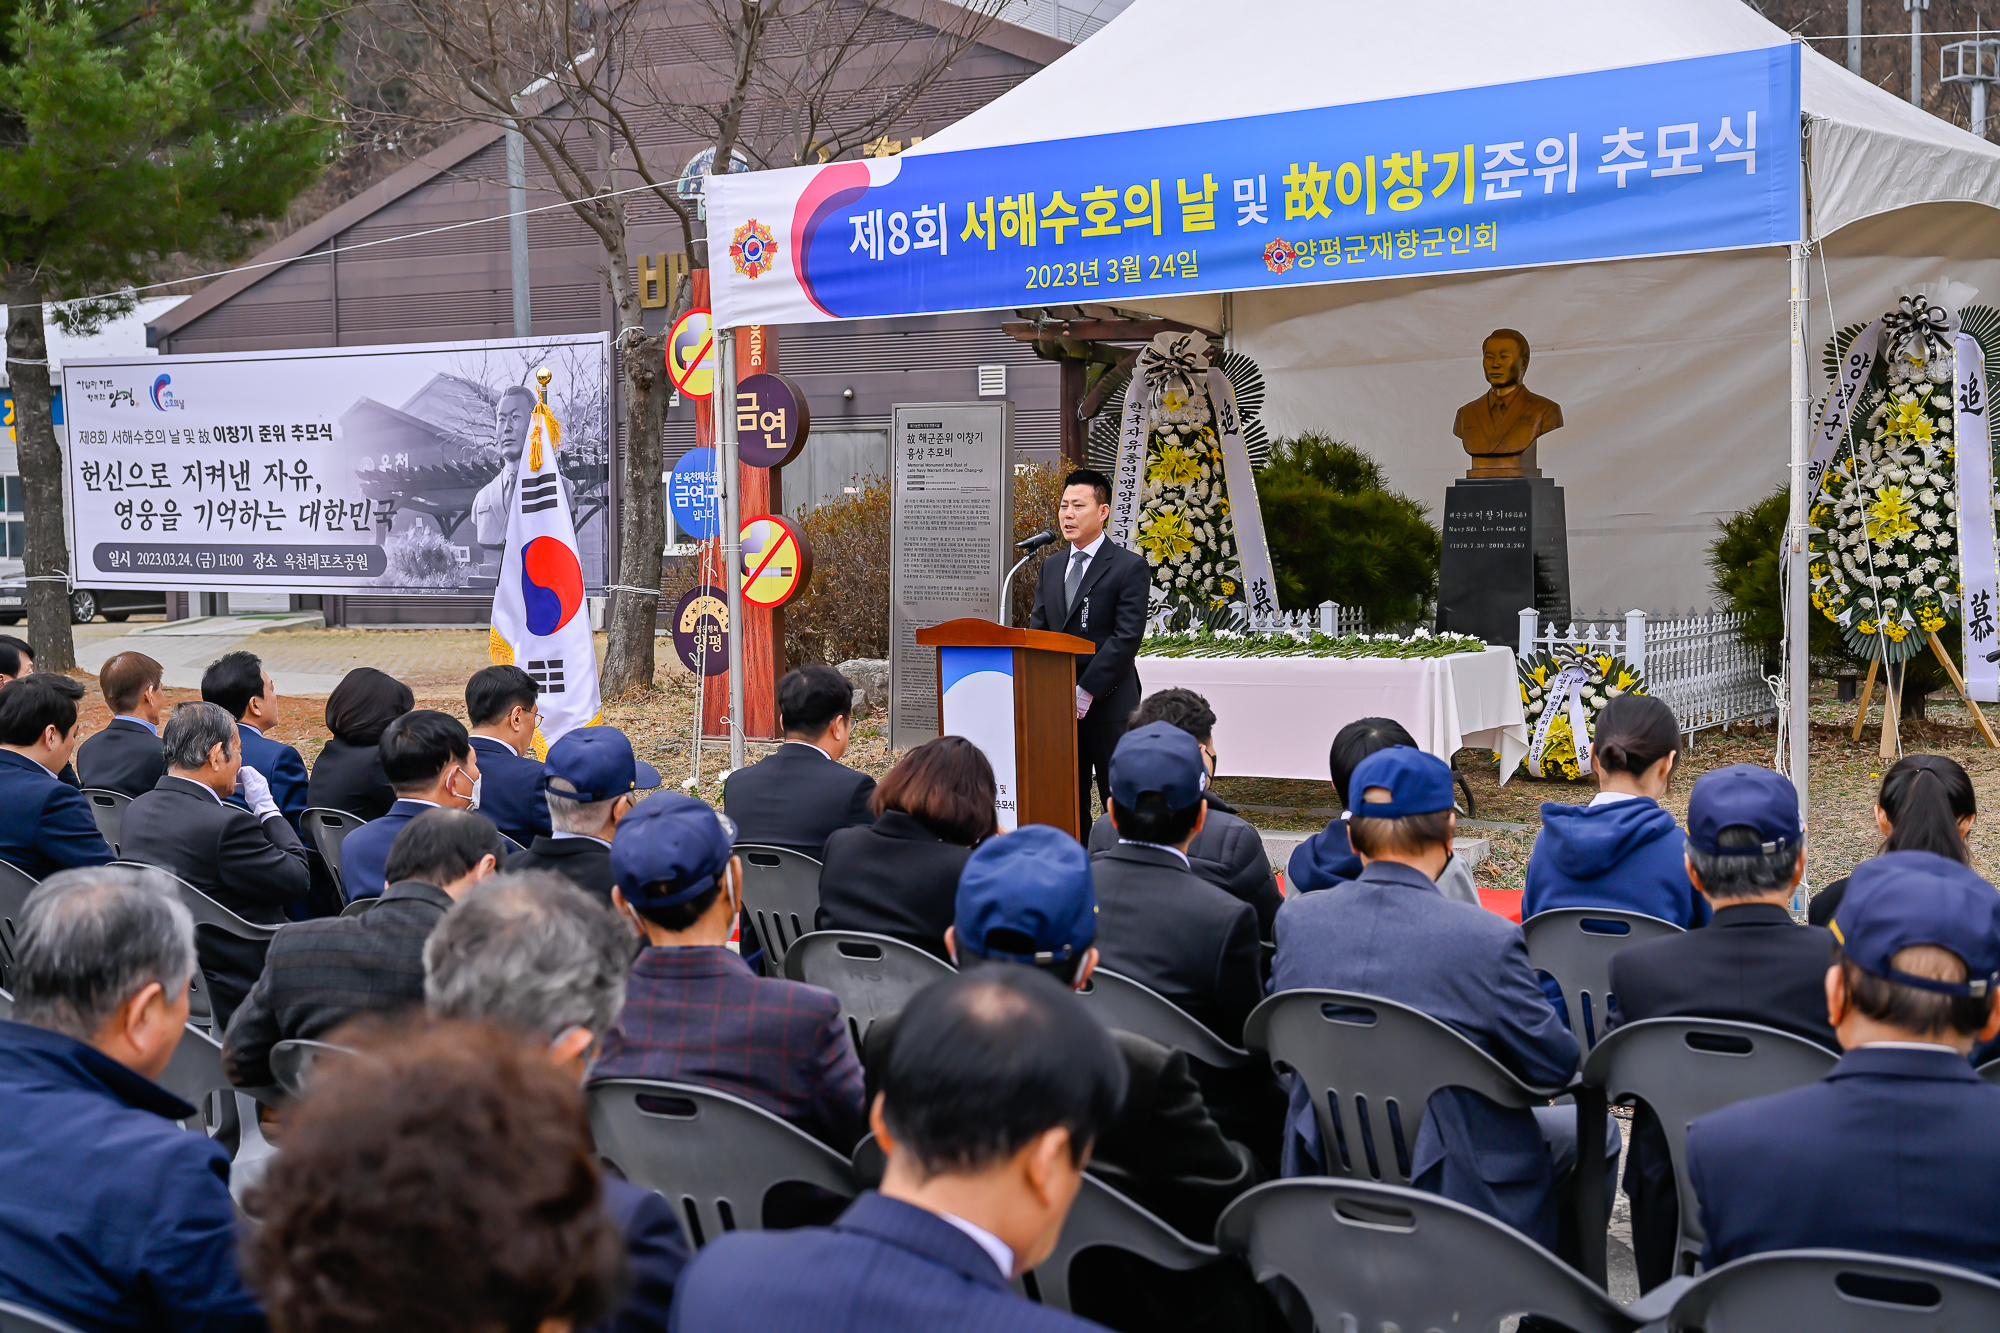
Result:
[
  {"x": 250, "y": 861},
  {"x": 533, "y": 953},
  {"x": 111, "y": 1216},
  {"x": 594, "y": 780}
]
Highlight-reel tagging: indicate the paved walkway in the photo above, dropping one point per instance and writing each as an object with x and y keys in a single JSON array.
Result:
[{"x": 301, "y": 656}]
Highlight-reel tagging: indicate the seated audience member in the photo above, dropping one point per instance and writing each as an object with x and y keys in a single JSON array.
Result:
[
  {"x": 429, "y": 761},
  {"x": 500, "y": 703},
  {"x": 1752, "y": 964},
  {"x": 1390, "y": 933},
  {"x": 17, "y": 658},
  {"x": 250, "y": 861},
  {"x": 594, "y": 780},
  {"x": 1158, "y": 922},
  {"x": 48, "y": 826},
  {"x": 444, "y": 1181},
  {"x": 1228, "y": 852},
  {"x": 800, "y": 793},
  {"x": 1622, "y": 850},
  {"x": 111, "y": 1215},
  {"x": 694, "y": 1011},
  {"x": 899, "y": 875},
  {"x": 319, "y": 974},
  {"x": 238, "y": 683},
  {"x": 1926, "y": 805},
  {"x": 1327, "y": 858},
  {"x": 534, "y": 954},
  {"x": 1895, "y": 1151},
  {"x": 997, "y": 1088},
  {"x": 348, "y": 774},
  {"x": 126, "y": 756}
]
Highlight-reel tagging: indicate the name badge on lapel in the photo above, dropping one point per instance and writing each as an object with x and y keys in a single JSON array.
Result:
[{"x": 1086, "y": 614}]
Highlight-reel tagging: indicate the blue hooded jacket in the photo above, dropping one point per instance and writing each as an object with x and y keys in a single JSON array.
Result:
[
  {"x": 1625, "y": 855},
  {"x": 1322, "y": 861}
]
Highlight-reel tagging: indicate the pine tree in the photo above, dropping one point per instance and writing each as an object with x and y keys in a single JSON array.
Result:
[{"x": 131, "y": 131}]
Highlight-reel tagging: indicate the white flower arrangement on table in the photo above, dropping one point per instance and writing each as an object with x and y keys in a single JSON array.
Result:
[{"x": 1204, "y": 641}]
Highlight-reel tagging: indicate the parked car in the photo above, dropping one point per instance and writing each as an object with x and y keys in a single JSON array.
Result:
[{"x": 85, "y": 604}]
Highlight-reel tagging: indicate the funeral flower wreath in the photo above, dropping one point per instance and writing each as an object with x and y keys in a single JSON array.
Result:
[{"x": 1568, "y": 680}]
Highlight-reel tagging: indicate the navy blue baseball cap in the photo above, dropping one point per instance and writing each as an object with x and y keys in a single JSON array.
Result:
[
  {"x": 1417, "y": 783},
  {"x": 596, "y": 764},
  {"x": 1900, "y": 899},
  {"x": 1746, "y": 795},
  {"x": 1034, "y": 881},
  {"x": 670, "y": 849},
  {"x": 1158, "y": 757}
]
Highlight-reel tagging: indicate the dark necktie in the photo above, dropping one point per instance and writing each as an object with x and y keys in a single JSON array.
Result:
[{"x": 1078, "y": 562}]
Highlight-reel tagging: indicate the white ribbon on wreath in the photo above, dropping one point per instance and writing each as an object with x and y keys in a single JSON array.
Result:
[
  {"x": 1978, "y": 562},
  {"x": 1564, "y": 688}
]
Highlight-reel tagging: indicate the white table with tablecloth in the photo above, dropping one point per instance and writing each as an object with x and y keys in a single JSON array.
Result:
[{"x": 1276, "y": 717}]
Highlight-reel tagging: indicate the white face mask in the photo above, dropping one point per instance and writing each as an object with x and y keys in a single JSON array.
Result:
[{"x": 477, "y": 783}]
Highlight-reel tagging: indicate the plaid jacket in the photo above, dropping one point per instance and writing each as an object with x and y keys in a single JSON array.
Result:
[
  {"x": 700, "y": 1015},
  {"x": 319, "y": 974}
]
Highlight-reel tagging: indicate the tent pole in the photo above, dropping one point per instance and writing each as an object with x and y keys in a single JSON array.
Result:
[
  {"x": 732, "y": 530},
  {"x": 1798, "y": 662}
]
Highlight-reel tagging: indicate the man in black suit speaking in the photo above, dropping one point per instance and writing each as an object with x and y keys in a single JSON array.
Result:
[{"x": 1098, "y": 590}]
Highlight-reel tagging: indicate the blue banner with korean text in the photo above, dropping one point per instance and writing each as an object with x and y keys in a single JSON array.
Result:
[{"x": 1673, "y": 158}]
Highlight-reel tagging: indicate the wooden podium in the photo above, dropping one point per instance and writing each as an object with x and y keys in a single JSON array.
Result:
[{"x": 1012, "y": 692}]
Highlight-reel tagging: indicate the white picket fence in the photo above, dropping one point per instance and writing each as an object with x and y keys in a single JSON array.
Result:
[
  {"x": 1698, "y": 663},
  {"x": 1326, "y": 618}
]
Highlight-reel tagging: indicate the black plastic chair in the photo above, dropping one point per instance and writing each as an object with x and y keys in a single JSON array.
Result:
[
  {"x": 20, "y": 1319},
  {"x": 781, "y": 898},
  {"x": 1372, "y": 1066},
  {"x": 1125, "y": 1005},
  {"x": 1687, "y": 1067},
  {"x": 206, "y": 912},
  {"x": 873, "y": 975},
  {"x": 712, "y": 1156},
  {"x": 1990, "y": 1071},
  {"x": 328, "y": 829},
  {"x": 108, "y": 809},
  {"x": 360, "y": 907},
  {"x": 223, "y": 1112},
  {"x": 292, "y": 1062},
  {"x": 15, "y": 886},
  {"x": 1368, "y": 1256},
  {"x": 1575, "y": 945},
  {"x": 1826, "y": 1291},
  {"x": 6, "y": 1004}
]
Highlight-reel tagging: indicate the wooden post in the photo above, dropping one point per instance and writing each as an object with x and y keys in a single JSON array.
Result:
[
  {"x": 1867, "y": 693},
  {"x": 1958, "y": 683},
  {"x": 1892, "y": 713},
  {"x": 759, "y": 492}
]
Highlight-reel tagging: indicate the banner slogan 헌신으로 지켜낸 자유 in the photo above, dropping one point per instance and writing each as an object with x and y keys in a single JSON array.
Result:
[
  {"x": 1671, "y": 158},
  {"x": 373, "y": 470}
]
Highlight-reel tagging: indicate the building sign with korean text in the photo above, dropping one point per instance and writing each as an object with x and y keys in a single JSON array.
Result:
[{"x": 1672, "y": 158}]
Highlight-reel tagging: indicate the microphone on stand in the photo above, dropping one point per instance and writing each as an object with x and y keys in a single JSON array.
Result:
[{"x": 1029, "y": 545}]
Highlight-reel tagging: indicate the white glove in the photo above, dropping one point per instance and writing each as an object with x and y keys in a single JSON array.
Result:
[
  {"x": 256, "y": 792},
  {"x": 1082, "y": 702}
]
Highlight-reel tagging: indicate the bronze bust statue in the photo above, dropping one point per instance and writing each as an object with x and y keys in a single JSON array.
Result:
[{"x": 1500, "y": 427}]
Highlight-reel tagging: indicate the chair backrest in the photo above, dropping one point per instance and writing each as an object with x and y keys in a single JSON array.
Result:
[
  {"x": 1129, "y": 1006},
  {"x": 15, "y": 886},
  {"x": 1371, "y": 1066},
  {"x": 108, "y": 809},
  {"x": 194, "y": 1072},
  {"x": 872, "y": 975},
  {"x": 1687, "y": 1067},
  {"x": 712, "y": 1156},
  {"x": 1574, "y": 945},
  {"x": 1369, "y": 1256},
  {"x": 20, "y": 1319},
  {"x": 1101, "y": 1216},
  {"x": 328, "y": 829},
  {"x": 360, "y": 907},
  {"x": 781, "y": 896},
  {"x": 224, "y": 1113},
  {"x": 208, "y": 912},
  {"x": 6, "y": 1004},
  {"x": 1990, "y": 1071},
  {"x": 1837, "y": 1291},
  {"x": 292, "y": 1062}
]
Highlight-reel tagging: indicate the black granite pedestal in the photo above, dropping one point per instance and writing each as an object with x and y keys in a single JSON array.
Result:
[{"x": 1506, "y": 547}]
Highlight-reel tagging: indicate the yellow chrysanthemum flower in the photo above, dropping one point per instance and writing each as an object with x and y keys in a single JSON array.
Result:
[{"x": 1166, "y": 536}]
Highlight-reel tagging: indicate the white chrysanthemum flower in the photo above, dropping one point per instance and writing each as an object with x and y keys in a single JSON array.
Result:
[
  {"x": 1928, "y": 520},
  {"x": 1927, "y": 496},
  {"x": 1893, "y": 580},
  {"x": 1902, "y": 560},
  {"x": 1921, "y": 541}
]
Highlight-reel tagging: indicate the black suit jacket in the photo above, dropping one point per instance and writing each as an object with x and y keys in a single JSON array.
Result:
[
  {"x": 894, "y": 878},
  {"x": 319, "y": 974},
  {"x": 585, "y": 862},
  {"x": 1228, "y": 853},
  {"x": 1110, "y": 611},
  {"x": 796, "y": 797},
  {"x": 124, "y": 757},
  {"x": 1165, "y": 927},
  {"x": 350, "y": 777}
]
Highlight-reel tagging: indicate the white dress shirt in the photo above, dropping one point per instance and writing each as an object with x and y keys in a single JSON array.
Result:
[{"x": 999, "y": 1251}]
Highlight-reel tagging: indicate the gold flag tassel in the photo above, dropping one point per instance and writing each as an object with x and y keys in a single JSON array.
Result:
[{"x": 543, "y": 422}]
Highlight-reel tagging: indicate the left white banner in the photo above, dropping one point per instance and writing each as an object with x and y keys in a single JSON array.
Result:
[{"x": 375, "y": 470}]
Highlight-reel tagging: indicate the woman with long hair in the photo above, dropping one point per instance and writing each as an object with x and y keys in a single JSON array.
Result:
[
  {"x": 1925, "y": 805},
  {"x": 348, "y": 774}
]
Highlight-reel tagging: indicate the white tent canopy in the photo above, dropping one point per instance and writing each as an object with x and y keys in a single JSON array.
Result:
[{"x": 1672, "y": 372}]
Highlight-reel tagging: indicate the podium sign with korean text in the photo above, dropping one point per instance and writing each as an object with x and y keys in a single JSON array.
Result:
[
  {"x": 385, "y": 470},
  {"x": 1671, "y": 158}
]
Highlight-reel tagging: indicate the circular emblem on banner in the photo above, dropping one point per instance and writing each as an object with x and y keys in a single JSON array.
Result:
[
  {"x": 1277, "y": 256},
  {"x": 701, "y": 630},
  {"x": 777, "y": 562},
  {"x": 691, "y": 354},
  {"x": 753, "y": 249},
  {"x": 771, "y": 420},
  {"x": 691, "y": 496},
  {"x": 551, "y": 584}
]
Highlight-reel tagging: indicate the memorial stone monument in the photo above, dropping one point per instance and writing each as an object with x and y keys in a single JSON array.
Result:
[{"x": 1506, "y": 542}]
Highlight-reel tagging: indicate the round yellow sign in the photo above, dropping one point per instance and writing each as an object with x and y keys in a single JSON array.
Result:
[
  {"x": 691, "y": 354},
  {"x": 777, "y": 562}
]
